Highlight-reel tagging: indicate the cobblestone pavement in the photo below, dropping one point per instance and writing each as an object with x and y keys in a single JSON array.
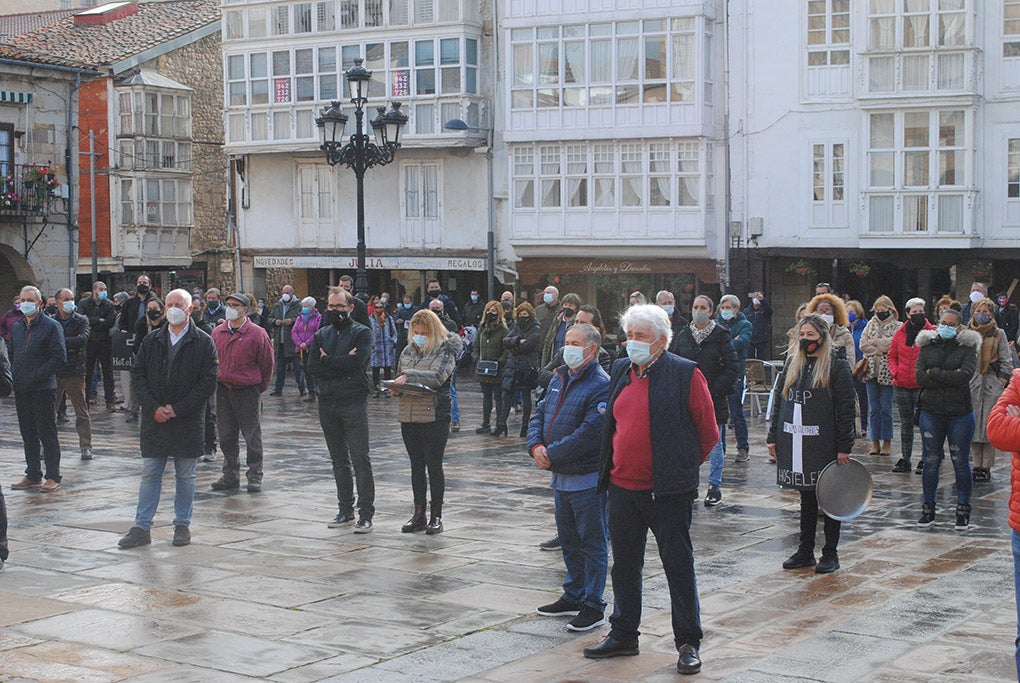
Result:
[{"x": 266, "y": 591}]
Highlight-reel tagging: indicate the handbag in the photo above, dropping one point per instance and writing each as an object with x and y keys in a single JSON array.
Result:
[
  {"x": 487, "y": 368},
  {"x": 861, "y": 369}
]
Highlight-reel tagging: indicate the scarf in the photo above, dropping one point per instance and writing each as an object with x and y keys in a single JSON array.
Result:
[
  {"x": 989, "y": 345},
  {"x": 701, "y": 335}
]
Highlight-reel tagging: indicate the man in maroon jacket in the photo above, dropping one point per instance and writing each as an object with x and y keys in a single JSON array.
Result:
[{"x": 246, "y": 366}]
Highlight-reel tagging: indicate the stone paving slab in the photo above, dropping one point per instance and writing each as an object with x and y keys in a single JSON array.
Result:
[
  {"x": 110, "y": 630},
  {"x": 235, "y": 653}
]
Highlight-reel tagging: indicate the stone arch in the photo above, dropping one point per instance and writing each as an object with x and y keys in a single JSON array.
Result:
[{"x": 15, "y": 270}]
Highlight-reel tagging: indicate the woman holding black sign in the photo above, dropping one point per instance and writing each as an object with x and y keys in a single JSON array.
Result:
[{"x": 813, "y": 426}]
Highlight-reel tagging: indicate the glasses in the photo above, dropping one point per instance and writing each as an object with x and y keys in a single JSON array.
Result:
[
  {"x": 336, "y": 307},
  {"x": 823, "y": 284}
]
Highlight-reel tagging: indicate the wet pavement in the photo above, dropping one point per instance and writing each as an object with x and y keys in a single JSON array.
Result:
[{"x": 266, "y": 591}]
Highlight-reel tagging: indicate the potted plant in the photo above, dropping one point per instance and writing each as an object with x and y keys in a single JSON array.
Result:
[
  {"x": 41, "y": 179},
  {"x": 800, "y": 268},
  {"x": 982, "y": 271},
  {"x": 860, "y": 269}
]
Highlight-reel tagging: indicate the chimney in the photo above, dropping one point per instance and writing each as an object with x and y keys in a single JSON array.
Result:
[{"x": 106, "y": 14}]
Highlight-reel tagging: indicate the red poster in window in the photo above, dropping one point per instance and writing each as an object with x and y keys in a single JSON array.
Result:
[
  {"x": 281, "y": 90},
  {"x": 401, "y": 83}
]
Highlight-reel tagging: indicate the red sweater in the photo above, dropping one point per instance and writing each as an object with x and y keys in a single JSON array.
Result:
[
  {"x": 246, "y": 356},
  {"x": 632, "y": 441}
]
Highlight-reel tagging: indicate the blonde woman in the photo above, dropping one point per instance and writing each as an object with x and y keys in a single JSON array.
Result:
[
  {"x": 995, "y": 365},
  {"x": 815, "y": 390},
  {"x": 875, "y": 342},
  {"x": 430, "y": 358}
]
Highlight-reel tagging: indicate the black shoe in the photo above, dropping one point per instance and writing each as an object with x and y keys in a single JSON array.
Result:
[
  {"x": 801, "y": 558},
  {"x": 276, "y": 392},
  {"x": 588, "y": 619},
  {"x": 222, "y": 484},
  {"x": 689, "y": 662},
  {"x": 454, "y": 427},
  {"x": 524, "y": 431},
  {"x": 827, "y": 565},
  {"x": 962, "y": 517},
  {"x": 136, "y": 536},
  {"x": 499, "y": 431},
  {"x": 435, "y": 526},
  {"x": 182, "y": 535},
  {"x": 713, "y": 497},
  {"x": 254, "y": 487},
  {"x": 560, "y": 608},
  {"x": 62, "y": 419},
  {"x": 611, "y": 647},
  {"x": 903, "y": 465},
  {"x": 927, "y": 515},
  {"x": 363, "y": 526},
  {"x": 484, "y": 429},
  {"x": 982, "y": 474},
  {"x": 342, "y": 519},
  {"x": 86, "y": 454},
  {"x": 209, "y": 456},
  {"x": 919, "y": 469},
  {"x": 552, "y": 544}
]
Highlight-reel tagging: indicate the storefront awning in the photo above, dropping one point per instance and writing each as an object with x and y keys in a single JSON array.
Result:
[{"x": 350, "y": 261}]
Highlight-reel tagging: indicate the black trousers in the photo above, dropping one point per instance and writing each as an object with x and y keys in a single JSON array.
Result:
[
  {"x": 631, "y": 515},
  {"x": 809, "y": 523},
  {"x": 38, "y": 423},
  {"x": 492, "y": 394},
  {"x": 102, "y": 354},
  {"x": 209, "y": 424},
  {"x": 426, "y": 443},
  {"x": 345, "y": 426},
  {"x": 4, "y": 552},
  {"x": 508, "y": 399}
]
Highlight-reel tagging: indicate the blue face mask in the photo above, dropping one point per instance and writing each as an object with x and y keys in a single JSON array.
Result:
[
  {"x": 670, "y": 309},
  {"x": 29, "y": 308},
  {"x": 573, "y": 356},
  {"x": 102, "y": 295},
  {"x": 726, "y": 313},
  {"x": 401, "y": 305},
  {"x": 547, "y": 298},
  {"x": 851, "y": 316},
  {"x": 474, "y": 298},
  {"x": 420, "y": 340},
  {"x": 946, "y": 332},
  {"x": 68, "y": 306},
  {"x": 640, "y": 353},
  {"x": 305, "y": 310}
]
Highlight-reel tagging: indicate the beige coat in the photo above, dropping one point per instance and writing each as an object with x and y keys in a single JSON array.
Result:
[
  {"x": 875, "y": 342},
  {"x": 985, "y": 389},
  {"x": 434, "y": 370}
]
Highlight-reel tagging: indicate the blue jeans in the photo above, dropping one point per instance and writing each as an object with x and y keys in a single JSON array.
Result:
[
  {"x": 581, "y": 525},
  {"x": 1016, "y": 590},
  {"x": 736, "y": 401},
  {"x": 282, "y": 363},
  {"x": 152, "y": 484},
  {"x": 935, "y": 429},
  {"x": 715, "y": 461},
  {"x": 880, "y": 402},
  {"x": 454, "y": 403}
]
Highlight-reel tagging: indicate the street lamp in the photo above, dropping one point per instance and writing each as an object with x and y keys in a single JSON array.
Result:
[
  {"x": 490, "y": 249},
  {"x": 359, "y": 153}
]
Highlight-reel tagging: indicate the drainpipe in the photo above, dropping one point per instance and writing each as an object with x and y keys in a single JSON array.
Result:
[{"x": 69, "y": 155}]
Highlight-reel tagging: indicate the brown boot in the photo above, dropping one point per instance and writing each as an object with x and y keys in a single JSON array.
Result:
[
  {"x": 874, "y": 448},
  {"x": 417, "y": 521},
  {"x": 886, "y": 447}
]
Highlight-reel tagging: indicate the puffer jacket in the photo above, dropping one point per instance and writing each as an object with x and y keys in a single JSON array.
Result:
[
  {"x": 1004, "y": 434},
  {"x": 37, "y": 352},
  {"x": 876, "y": 340},
  {"x": 717, "y": 361},
  {"x": 490, "y": 347},
  {"x": 522, "y": 363},
  {"x": 340, "y": 374},
  {"x": 740, "y": 336},
  {"x": 76, "y": 339},
  {"x": 570, "y": 419},
  {"x": 943, "y": 371},
  {"x": 843, "y": 343},
  {"x": 304, "y": 328},
  {"x": 903, "y": 358},
  {"x": 434, "y": 370}
]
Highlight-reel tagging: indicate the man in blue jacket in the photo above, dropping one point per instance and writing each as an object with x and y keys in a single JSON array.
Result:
[
  {"x": 565, "y": 437},
  {"x": 741, "y": 330},
  {"x": 37, "y": 352}
]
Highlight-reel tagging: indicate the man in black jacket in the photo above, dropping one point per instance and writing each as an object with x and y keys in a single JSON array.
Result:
[
  {"x": 102, "y": 315},
  {"x": 359, "y": 309},
  {"x": 6, "y": 384},
  {"x": 338, "y": 359},
  {"x": 37, "y": 352},
  {"x": 134, "y": 308},
  {"x": 71, "y": 377},
  {"x": 174, "y": 374},
  {"x": 434, "y": 290}
]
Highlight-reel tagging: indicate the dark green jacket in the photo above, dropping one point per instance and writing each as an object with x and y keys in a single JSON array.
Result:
[{"x": 490, "y": 347}]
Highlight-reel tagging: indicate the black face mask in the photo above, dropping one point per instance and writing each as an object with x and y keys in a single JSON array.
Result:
[
  {"x": 154, "y": 315},
  {"x": 213, "y": 305},
  {"x": 491, "y": 317},
  {"x": 918, "y": 319},
  {"x": 525, "y": 321},
  {"x": 434, "y": 293},
  {"x": 568, "y": 312},
  {"x": 51, "y": 310},
  {"x": 142, "y": 289},
  {"x": 809, "y": 346},
  {"x": 883, "y": 315},
  {"x": 336, "y": 318},
  {"x": 506, "y": 305}
]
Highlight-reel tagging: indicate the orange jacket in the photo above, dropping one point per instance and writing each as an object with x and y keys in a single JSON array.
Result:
[{"x": 1004, "y": 434}]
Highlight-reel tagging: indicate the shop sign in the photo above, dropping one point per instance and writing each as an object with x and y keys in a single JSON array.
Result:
[
  {"x": 350, "y": 262},
  {"x": 615, "y": 267}
]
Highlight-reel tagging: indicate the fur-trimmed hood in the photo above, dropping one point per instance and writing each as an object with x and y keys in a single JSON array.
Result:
[
  {"x": 964, "y": 337},
  {"x": 839, "y": 316}
]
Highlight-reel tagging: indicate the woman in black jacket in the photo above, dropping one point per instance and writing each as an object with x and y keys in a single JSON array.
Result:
[
  {"x": 491, "y": 333},
  {"x": 524, "y": 346},
  {"x": 945, "y": 364},
  {"x": 822, "y": 430},
  {"x": 152, "y": 320},
  {"x": 708, "y": 344}
]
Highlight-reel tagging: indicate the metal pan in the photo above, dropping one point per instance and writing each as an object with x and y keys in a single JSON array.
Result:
[
  {"x": 844, "y": 491},
  {"x": 408, "y": 388}
]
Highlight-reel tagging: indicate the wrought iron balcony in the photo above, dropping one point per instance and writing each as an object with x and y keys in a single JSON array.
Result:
[{"x": 27, "y": 189}]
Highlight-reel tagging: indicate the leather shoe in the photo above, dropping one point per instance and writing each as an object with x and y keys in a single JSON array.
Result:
[
  {"x": 799, "y": 559},
  {"x": 827, "y": 565},
  {"x": 611, "y": 647},
  {"x": 689, "y": 662}
]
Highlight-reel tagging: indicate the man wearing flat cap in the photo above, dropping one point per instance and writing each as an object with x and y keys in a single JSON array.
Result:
[{"x": 246, "y": 366}]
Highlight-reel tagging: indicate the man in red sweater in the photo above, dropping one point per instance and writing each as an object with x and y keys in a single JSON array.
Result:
[
  {"x": 246, "y": 366},
  {"x": 660, "y": 427}
]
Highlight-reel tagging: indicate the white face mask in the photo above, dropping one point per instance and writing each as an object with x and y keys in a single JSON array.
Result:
[
  {"x": 573, "y": 356},
  {"x": 232, "y": 313},
  {"x": 175, "y": 316},
  {"x": 976, "y": 296},
  {"x": 827, "y": 318}
]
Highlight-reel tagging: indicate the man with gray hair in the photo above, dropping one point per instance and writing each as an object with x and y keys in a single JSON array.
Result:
[
  {"x": 71, "y": 375},
  {"x": 740, "y": 329},
  {"x": 667, "y": 302},
  {"x": 37, "y": 352}
]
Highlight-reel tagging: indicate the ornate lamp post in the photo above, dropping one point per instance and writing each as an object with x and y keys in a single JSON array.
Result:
[{"x": 359, "y": 153}]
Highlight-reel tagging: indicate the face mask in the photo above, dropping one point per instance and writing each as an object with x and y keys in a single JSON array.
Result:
[
  {"x": 142, "y": 289},
  {"x": 883, "y": 315},
  {"x": 698, "y": 317},
  {"x": 851, "y": 316},
  {"x": 213, "y": 306},
  {"x": 726, "y": 314},
  {"x": 154, "y": 315},
  {"x": 640, "y": 353},
  {"x": 384, "y": 301},
  {"x": 232, "y": 314},
  {"x": 17, "y": 306},
  {"x": 491, "y": 317},
  {"x": 340, "y": 317},
  {"x": 420, "y": 340},
  {"x": 809, "y": 346},
  {"x": 176, "y": 316},
  {"x": 286, "y": 298},
  {"x": 1002, "y": 302},
  {"x": 946, "y": 332},
  {"x": 474, "y": 298},
  {"x": 976, "y": 297},
  {"x": 917, "y": 319},
  {"x": 102, "y": 295},
  {"x": 305, "y": 310},
  {"x": 573, "y": 356},
  {"x": 29, "y": 308},
  {"x": 524, "y": 320},
  {"x": 68, "y": 306},
  {"x": 547, "y": 298},
  {"x": 756, "y": 301},
  {"x": 670, "y": 309},
  {"x": 982, "y": 318},
  {"x": 434, "y": 293},
  {"x": 568, "y": 312},
  {"x": 827, "y": 318},
  {"x": 506, "y": 305}
]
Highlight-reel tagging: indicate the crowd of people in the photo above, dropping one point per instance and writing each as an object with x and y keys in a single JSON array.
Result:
[{"x": 622, "y": 420}]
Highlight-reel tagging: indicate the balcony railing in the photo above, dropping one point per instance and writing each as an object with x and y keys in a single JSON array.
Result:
[{"x": 25, "y": 189}]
